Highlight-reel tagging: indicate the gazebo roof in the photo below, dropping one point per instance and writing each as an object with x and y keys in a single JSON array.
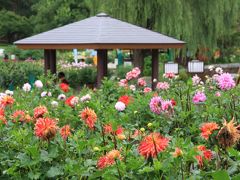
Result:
[{"x": 99, "y": 32}]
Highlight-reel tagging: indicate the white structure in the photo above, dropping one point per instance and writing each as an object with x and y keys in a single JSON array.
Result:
[
  {"x": 171, "y": 67},
  {"x": 195, "y": 66}
]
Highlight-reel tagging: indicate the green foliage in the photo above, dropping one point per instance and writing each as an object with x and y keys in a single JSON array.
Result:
[
  {"x": 80, "y": 77},
  {"x": 13, "y": 26},
  {"x": 16, "y": 73},
  {"x": 24, "y": 54},
  {"x": 122, "y": 70},
  {"x": 25, "y": 156}
]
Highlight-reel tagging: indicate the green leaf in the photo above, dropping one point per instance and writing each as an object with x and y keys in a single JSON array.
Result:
[
  {"x": 54, "y": 171},
  {"x": 220, "y": 175},
  {"x": 33, "y": 175},
  {"x": 237, "y": 177}
]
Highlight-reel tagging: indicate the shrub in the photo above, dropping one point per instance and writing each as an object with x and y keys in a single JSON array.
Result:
[
  {"x": 24, "y": 54},
  {"x": 17, "y": 72},
  {"x": 77, "y": 77}
]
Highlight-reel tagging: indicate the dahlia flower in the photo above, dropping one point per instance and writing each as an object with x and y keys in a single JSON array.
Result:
[
  {"x": 218, "y": 94},
  {"x": 26, "y": 87},
  {"x": 120, "y": 106},
  {"x": 196, "y": 80},
  {"x": 45, "y": 128},
  {"x": 39, "y": 112},
  {"x": 199, "y": 97},
  {"x": 125, "y": 99},
  {"x": 69, "y": 101},
  {"x": 207, "y": 154},
  {"x": 152, "y": 144},
  {"x": 207, "y": 129},
  {"x": 123, "y": 82},
  {"x": 162, "y": 86},
  {"x": 6, "y": 100},
  {"x": 133, "y": 74},
  {"x": 132, "y": 87},
  {"x": 147, "y": 90},
  {"x": 18, "y": 115},
  {"x": 43, "y": 94},
  {"x": 38, "y": 84},
  {"x": 166, "y": 105},
  {"x": 2, "y": 112},
  {"x": 177, "y": 153},
  {"x": 54, "y": 104},
  {"x": 65, "y": 131},
  {"x": 87, "y": 97},
  {"x": 61, "y": 97},
  {"x": 169, "y": 75},
  {"x": 225, "y": 81},
  {"x": 108, "y": 159},
  {"x": 8, "y": 92},
  {"x": 219, "y": 70},
  {"x": 89, "y": 117},
  {"x": 229, "y": 134},
  {"x": 141, "y": 82},
  {"x": 156, "y": 105},
  {"x": 3, "y": 120},
  {"x": 64, "y": 87}
]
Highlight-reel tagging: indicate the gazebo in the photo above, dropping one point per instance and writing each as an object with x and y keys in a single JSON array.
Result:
[{"x": 102, "y": 33}]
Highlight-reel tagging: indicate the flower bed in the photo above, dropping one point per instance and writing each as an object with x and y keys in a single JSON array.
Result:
[{"x": 123, "y": 130}]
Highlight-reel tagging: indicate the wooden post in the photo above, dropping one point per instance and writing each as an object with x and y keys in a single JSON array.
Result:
[
  {"x": 53, "y": 62},
  {"x": 46, "y": 61},
  {"x": 155, "y": 68},
  {"x": 101, "y": 65},
  {"x": 50, "y": 60}
]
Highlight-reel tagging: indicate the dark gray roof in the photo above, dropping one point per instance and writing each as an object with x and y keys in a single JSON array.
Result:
[{"x": 100, "y": 29}]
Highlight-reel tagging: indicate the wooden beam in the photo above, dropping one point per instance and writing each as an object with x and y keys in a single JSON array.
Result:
[
  {"x": 102, "y": 46},
  {"x": 101, "y": 65},
  {"x": 155, "y": 68}
]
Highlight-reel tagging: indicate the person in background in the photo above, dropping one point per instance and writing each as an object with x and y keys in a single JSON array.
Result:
[{"x": 64, "y": 85}]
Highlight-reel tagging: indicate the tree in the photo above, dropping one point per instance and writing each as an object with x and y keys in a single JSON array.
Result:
[
  {"x": 51, "y": 14},
  {"x": 13, "y": 26}
]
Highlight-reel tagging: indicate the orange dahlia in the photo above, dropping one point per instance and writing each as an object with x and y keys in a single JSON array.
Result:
[
  {"x": 207, "y": 129},
  {"x": 178, "y": 152},
  {"x": 7, "y": 100},
  {"x": 40, "y": 111},
  {"x": 18, "y": 115},
  {"x": 200, "y": 160},
  {"x": 3, "y": 120},
  {"x": 45, "y": 128},
  {"x": 206, "y": 153},
  {"x": 125, "y": 99},
  {"x": 64, "y": 87},
  {"x": 65, "y": 131},
  {"x": 108, "y": 159},
  {"x": 229, "y": 134},
  {"x": 2, "y": 112},
  {"x": 89, "y": 117},
  {"x": 152, "y": 144},
  {"x": 107, "y": 129}
]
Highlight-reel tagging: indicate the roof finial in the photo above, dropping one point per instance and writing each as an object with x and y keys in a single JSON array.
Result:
[{"x": 102, "y": 15}]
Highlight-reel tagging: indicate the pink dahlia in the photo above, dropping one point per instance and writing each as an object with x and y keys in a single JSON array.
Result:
[
  {"x": 162, "y": 86},
  {"x": 199, "y": 97},
  {"x": 156, "y": 104},
  {"x": 225, "y": 81},
  {"x": 141, "y": 82},
  {"x": 147, "y": 90},
  {"x": 196, "y": 80}
]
